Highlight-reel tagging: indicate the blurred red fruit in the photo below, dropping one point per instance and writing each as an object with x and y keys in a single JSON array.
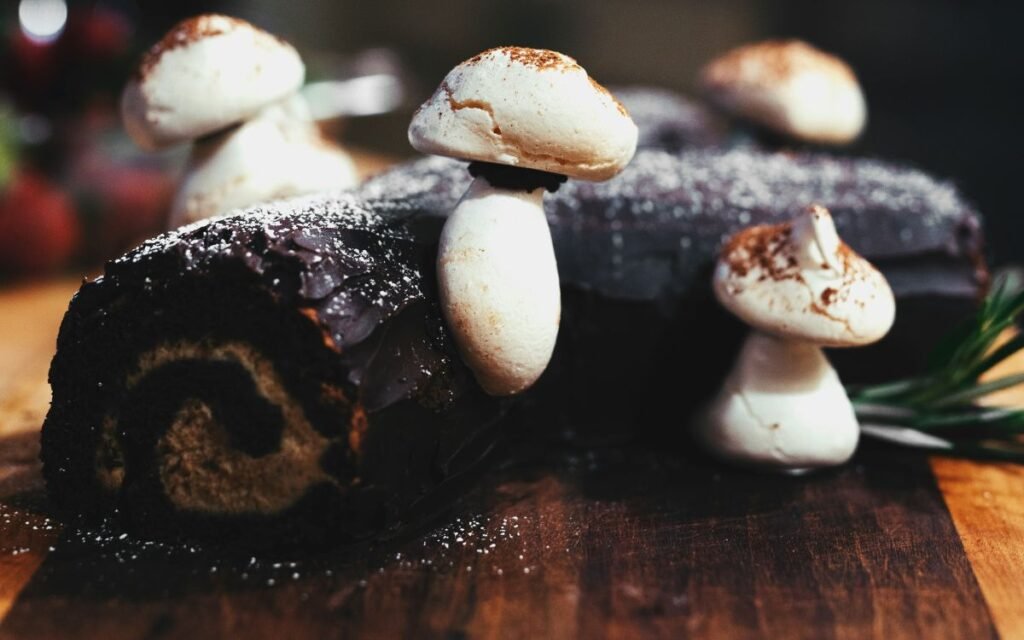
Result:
[
  {"x": 136, "y": 201},
  {"x": 128, "y": 202},
  {"x": 32, "y": 66},
  {"x": 98, "y": 32},
  {"x": 39, "y": 230}
]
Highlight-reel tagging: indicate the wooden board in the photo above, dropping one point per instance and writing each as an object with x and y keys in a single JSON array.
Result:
[{"x": 618, "y": 542}]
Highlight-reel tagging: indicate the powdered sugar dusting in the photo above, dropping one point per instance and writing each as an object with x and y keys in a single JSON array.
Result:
[
  {"x": 651, "y": 230},
  {"x": 351, "y": 257}
]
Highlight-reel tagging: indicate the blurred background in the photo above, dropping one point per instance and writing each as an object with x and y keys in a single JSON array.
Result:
[{"x": 941, "y": 79}]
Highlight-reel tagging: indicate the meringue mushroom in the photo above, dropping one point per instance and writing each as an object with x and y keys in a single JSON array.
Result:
[
  {"x": 527, "y": 119},
  {"x": 800, "y": 288},
  {"x": 233, "y": 90},
  {"x": 208, "y": 73},
  {"x": 277, "y": 154},
  {"x": 788, "y": 87}
]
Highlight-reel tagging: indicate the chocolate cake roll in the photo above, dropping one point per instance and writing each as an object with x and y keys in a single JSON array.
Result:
[
  {"x": 272, "y": 378},
  {"x": 642, "y": 339},
  {"x": 284, "y": 375}
]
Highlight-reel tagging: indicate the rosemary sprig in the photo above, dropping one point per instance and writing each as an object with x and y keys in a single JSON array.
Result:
[{"x": 938, "y": 410}]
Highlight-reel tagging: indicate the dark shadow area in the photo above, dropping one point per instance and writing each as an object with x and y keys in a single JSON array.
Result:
[{"x": 21, "y": 482}]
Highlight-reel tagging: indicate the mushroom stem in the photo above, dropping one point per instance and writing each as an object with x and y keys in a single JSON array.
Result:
[
  {"x": 816, "y": 239},
  {"x": 498, "y": 284},
  {"x": 279, "y": 153},
  {"x": 782, "y": 407},
  {"x": 525, "y": 119}
]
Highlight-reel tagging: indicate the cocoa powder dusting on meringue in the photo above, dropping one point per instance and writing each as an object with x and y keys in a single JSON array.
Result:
[
  {"x": 774, "y": 61},
  {"x": 601, "y": 89},
  {"x": 763, "y": 248},
  {"x": 184, "y": 33},
  {"x": 189, "y": 31},
  {"x": 539, "y": 58}
]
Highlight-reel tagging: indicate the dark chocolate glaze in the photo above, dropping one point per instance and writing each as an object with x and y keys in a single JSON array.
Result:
[
  {"x": 341, "y": 301},
  {"x": 642, "y": 340}
]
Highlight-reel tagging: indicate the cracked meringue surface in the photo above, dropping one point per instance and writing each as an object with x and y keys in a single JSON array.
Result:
[
  {"x": 798, "y": 279},
  {"x": 800, "y": 288},
  {"x": 207, "y": 73},
  {"x": 789, "y": 87},
  {"x": 529, "y": 108},
  {"x": 781, "y": 406}
]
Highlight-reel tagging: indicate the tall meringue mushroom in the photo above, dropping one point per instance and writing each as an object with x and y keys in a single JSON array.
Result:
[
  {"x": 526, "y": 119},
  {"x": 278, "y": 153},
  {"x": 790, "y": 88},
  {"x": 800, "y": 288},
  {"x": 233, "y": 89}
]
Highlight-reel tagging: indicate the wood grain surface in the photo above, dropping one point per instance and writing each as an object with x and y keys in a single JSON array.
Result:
[
  {"x": 619, "y": 542},
  {"x": 987, "y": 505},
  {"x": 29, "y": 317}
]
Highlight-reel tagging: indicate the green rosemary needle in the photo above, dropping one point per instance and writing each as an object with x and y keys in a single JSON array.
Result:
[{"x": 939, "y": 410}]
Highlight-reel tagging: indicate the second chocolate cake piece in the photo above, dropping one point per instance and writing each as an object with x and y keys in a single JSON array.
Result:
[
  {"x": 672, "y": 122},
  {"x": 284, "y": 375},
  {"x": 642, "y": 339},
  {"x": 277, "y": 377}
]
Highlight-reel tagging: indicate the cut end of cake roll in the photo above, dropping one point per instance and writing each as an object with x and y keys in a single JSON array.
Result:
[{"x": 272, "y": 378}]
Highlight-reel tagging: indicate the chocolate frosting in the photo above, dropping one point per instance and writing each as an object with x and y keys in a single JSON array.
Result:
[
  {"x": 653, "y": 231},
  {"x": 341, "y": 300},
  {"x": 643, "y": 342},
  {"x": 339, "y": 291}
]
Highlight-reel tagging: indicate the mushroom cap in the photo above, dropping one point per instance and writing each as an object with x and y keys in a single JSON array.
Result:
[
  {"x": 528, "y": 108},
  {"x": 799, "y": 280},
  {"x": 208, "y": 73},
  {"x": 789, "y": 87},
  {"x": 277, "y": 154}
]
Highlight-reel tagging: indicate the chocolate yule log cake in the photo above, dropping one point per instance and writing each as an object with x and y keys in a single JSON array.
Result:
[
  {"x": 280, "y": 375},
  {"x": 635, "y": 254},
  {"x": 313, "y": 370},
  {"x": 330, "y": 368},
  {"x": 286, "y": 374},
  {"x": 288, "y": 369}
]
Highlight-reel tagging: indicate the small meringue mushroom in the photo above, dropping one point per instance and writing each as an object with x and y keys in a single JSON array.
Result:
[
  {"x": 800, "y": 288},
  {"x": 209, "y": 72},
  {"x": 527, "y": 119},
  {"x": 788, "y": 87},
  {"x": 278, "y": 154}
]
